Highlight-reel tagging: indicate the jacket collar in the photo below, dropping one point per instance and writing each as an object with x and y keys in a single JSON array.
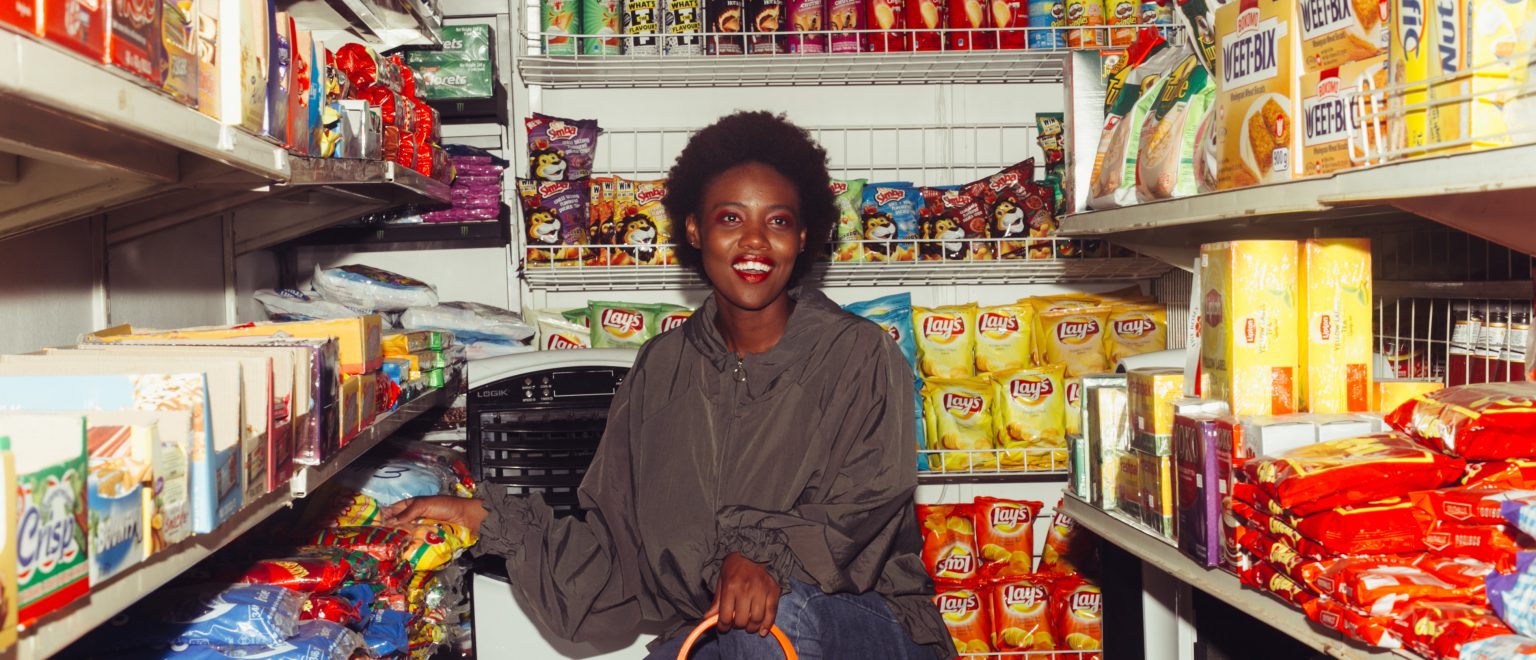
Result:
[{"x": 813, "y": 310}]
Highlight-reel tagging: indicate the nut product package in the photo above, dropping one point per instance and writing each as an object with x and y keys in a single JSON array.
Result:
[
  {"x": 1045, "y": 19},
  {"x": 966, "y": 615},
  {"x": 1079, "y": 614},
  {"x": 1114, "y": 165},
  {"x": 888, "y": 21},
  {"x": 560, "y": 21},
  {"x": 849, "y": 197},
  {"x": 600, "y": 27},
  {"x": 960, "y": 420},
  {"x": 946, "y": 340},
  {"x": 1328, "y": 114},
  {"x": 767, "y": 18},
  {"x": 807, "y": 16},
  {"x": 1005, "y": 535},
  {"x": 1260, "y": 74},
  {"x": 1165, "y": 162},
  {"x": 893, "y": 314},
  {"x": 846, "y": 18},
  {"x": 1318, "y": 477},
  {"x": 1030, "y": 414},
  {"x": 1074, "y": 338},
  {"x": 926, "y": 16},
  {"x": 561, "y": 149},
  {"x": 621, "y": 325},
  {"x": 946, "y": 219},
  {"x": 682, "y": 22},
  {"x": 1004, "y": 337},
  {"x": 967, "y": 21},
  {"x": 366, "y": 287},
  {"x": 727, "y": 18},
  {"x": 642, "y": 21},
  {"x": 641, "y": 224},
  {"x": 1085, "y": 20},
  {"x": 1490, "y": 421},
  {"x": 891, "y": 221},
  {"x": 554, "y": 220},
  {"x": 1135, "y": 329},
  {"x": 1021, "y": 616},
  {"x": 949, "y": 541}
]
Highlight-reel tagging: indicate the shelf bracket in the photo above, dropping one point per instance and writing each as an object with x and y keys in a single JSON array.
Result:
[{"x": 10, "y": 168}]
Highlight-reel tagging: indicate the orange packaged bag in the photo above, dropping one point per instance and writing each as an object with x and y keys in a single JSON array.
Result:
[
  {"x": 1514, "y": 473},
  {"x": 1282, "y": 557},
  {"x": 1078, "y": 615},
  {"x": 1384, "y": 587},
  {"x": 1005, "y": 535},
  {"x": 1468, "y": 505},
  {"x": 1437, "y": 630},
  {"x": 1337, "y": 473},
  {"x": 1054, "y": 557},
  {"x": 1495, "y": 544},
  {"x": 1020, "y": 608},
  {"x": 1490, "y": 421},
  {"x": 1262, "y": 576},
  {"x": 1257, "y": 521},
  {"x": 949, "y": 541},
  {"x": 965, "y": 614},
  {"x": 1372, "y": 630}
]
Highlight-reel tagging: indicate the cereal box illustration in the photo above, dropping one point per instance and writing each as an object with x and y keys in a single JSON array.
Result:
[
  {"x": 1328, "y": 115},
  {"x": 114, "y": 494},
  {"x": 1336, "y": 351},
  {"x": 1259, "y": 72},
  {"x": 1468, "y": 37},
  {"x": 8, "y": 603},
  {"x": 1337, "y": 32},
  {"x": 51, "y": 546},
  {"x": 1250, "y": 342}
]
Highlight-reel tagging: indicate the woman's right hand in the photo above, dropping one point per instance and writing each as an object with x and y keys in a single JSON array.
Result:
[{"x": 458, "y": 510}]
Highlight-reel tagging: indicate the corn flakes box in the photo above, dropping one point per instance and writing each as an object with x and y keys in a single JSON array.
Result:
[
  {"x": 1336, "y": 352},
  {"x": 946, "y": 340},
  {"x": 1260, "y": 70},
  {"x": 965, "y": 614},
  {"x": 1152, "y": 391},
  {"x": 1135, "y": 329},
  {"x": 1031, "y": 415},
  {"x": 960, "y": 418},
  {"x": 1249, "y": 340},
  {"x": 1327, "y": 116},
  {"x": 1337, "y": 32},
  {"x": 1021, "y": 618},
  {"x": 1075, "y": 338},
  {"x": 1004, "y": 338}
]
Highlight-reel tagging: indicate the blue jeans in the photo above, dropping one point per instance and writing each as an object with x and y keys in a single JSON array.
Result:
[{"x": 822, "y": 626}]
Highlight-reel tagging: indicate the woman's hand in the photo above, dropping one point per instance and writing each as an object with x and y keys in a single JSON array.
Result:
[
  {"x": 458, "y": 510},
  {"x": 747, "y": 597}
]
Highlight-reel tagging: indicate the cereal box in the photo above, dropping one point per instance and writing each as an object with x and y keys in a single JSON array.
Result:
[
  {"x": 135, "y": 44},
  {"x": 1250, "y": 343},
  {"x": 1337, "y": 32},
  {"x": 1152, "y": 391},
  {"x": 119, "y": 457},
  {"x": 1030, "y": 416},
  {"x": 1259, "y": 70},
  {"x": 51, "y": 547},
  {"x": 1004, "y": 337},
  {"x": 1021, "y": 614},
  {"x": 1336, "y": 351},
  {"x": 1156, "y": 491},
  {"x": 1471, "y": 35},
  {"x": 966, "y": 617},
  {"x": 1327, "y": 116},
  {"x": 80, "y": 25},
  {"x": 1197, "y": 525},
  {"x": 1127, "y": 483},
  {"x": 946, "y": 340},
  {"x": 8, "y": 602},
  {"x": 960, "y": 418},
  {"x": 1107, "y": 429},
  {"x": 357, "y": 337}
]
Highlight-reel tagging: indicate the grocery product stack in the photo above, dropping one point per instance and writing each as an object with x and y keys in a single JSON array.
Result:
[
  {"x": 604, "y": 324},
  {"x": 993, "y": 595},
  {"x": 372, "y": 111},
  {"x": 476, "y": 190}
]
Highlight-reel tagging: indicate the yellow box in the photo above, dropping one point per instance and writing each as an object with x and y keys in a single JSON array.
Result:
[
  {"x": 1127, "y": 479},
  {"x": 1327, "y": 113},
  {"x": 8, "y": 596},
  {"x": 1152, "y": 392},
  {"x": 1412, "y": 58},
  {"x": 1336, "y": 350},
  {"x": 351, "y": 411},
  {"x": 1475, "y": 35},
  {"x": 1389, "y": 394},
  {"x": 1249, "y": 340},
  {"x": 1337, "y": 32},
  {"x": 1156, "y": 474},
  {"x": 1260, "y": 81},
  {"x": 357, "y": 337}
]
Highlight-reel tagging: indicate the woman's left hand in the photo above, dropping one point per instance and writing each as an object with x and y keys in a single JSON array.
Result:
[{"x": 747, "y": 597}]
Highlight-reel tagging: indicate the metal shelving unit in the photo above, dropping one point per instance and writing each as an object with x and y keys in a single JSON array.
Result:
[
  {"x": 61, "y": 628},
  {"x": 383, "y": 25}
]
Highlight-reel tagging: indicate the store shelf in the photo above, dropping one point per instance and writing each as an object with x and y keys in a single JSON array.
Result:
[
  {"x": 385, "y": 237},
  {"x": 60, "y": 629},
  {"x": 382, "y": 24},
  {"x": 381, "y": 180},
  {"x": 1044, "y": 464},
  {"x": 1156, "y": 550}
]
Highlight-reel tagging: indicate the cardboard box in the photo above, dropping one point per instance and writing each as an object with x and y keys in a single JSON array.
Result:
[
  {"x": 1156, "y": 492},
  {"x": 1260, "y": 72},
  {"x": 1337, "y": 32},
  {"x": 1327, "y": 116},
  {"x": 211, "y": 69},
  {"x": 399, "y": 343},
  {"x": 1152, "y": 392},
  {"x": 253, "y": 32},
  {"x": 1266, "y": 435},
  {"x": 463, "y": 69},
  {"x": 1127, "y": 484},
  {"x": 135, "y": 44},
  {"x": 178, "y": 37},
  {"x": 1107, "y": 429},
  {"x": 167, "y": 508},
  {"x": 1451, "y": 40},
  {"x": 52, "y": 553},
  {"x": 1339, "y": 427},
  {"x": 279, "y": 77},
  {"x": 1336, "y": 354},
  {"x": 301, "y": 77},
  {"x": 357, "y": 337},
  {"x": 1249, "y": 345},
  {"x": 9, "y": 602},
  {"x": 118, "y": 456},
  {"x": 79, "y": 25},
  {"x": 1197, "y": 525}
]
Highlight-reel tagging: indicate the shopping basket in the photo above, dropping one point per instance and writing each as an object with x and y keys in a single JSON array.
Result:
[{"x": 710, "y": 622}]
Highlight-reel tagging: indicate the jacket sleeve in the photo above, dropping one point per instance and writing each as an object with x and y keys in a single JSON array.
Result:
[
  {"x": 580, "y": 578},
  {"x": 841, "y": 535}
]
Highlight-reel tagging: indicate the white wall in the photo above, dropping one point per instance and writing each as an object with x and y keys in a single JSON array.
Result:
[
  {"x": 169, "y": 279},
  {"x": 48, "y": 287}
]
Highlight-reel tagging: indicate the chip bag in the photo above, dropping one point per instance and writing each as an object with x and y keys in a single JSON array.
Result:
[
  {"x": 434, "y": 543},
  {"x": 558, "y": 334},
  {"x": 1005, "y": 535},
  {"x": 946, "y": 340},
  {"x": 1439, "y": 630},
  {"x": 1325, "y": 475},
  {"x": 1490, "y": 421},
  {"x": 1021, "y": 616},
  {"x": 554, "y": 220},
  {"x": 560, "y": 149},
  {"x": 641, "y": 225},
  {"x": 965, "y": 614},
  {"x": 1004, "y": 338},
  {"x": 1079, "y": 615},
  {"x": 306, "y": 574},
  {"x": 892, "y": 313},
  {"x": 382, "y": 543},
  {"x": 1378, "y": 631},
  {"x": 620, "y": 325},
  {"x": 1499, "y": 545},
  {"x": 949, "y": 541},
  {"x": 1074, "y": 338},
  {"x": 848, "y": 196},
  {"x": 890, "y": 217},
  {"x": 947, "y": 218},
  {"x": 1030, "y": 415},
  {"x": 331, "y": 608},
  {"x": 1054, "y": 558},
  {"x": 1136, "y": 329},
  {"x": 960, "y": 418},
  {"x": 1384, "y": 586}
]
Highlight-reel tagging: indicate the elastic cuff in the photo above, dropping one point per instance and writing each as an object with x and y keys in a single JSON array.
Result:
[
  {"x": 769, "y": 547},
  {"x": 508, "y": 521}
]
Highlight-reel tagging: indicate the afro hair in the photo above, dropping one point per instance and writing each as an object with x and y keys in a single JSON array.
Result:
[{"x": 753, "y": 137}]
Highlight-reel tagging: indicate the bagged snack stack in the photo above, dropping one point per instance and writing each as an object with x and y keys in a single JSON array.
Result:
[{"x": 476, "y": 192}]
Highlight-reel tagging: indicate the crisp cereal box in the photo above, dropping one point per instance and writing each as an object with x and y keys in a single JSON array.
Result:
[
  {"x": 1337, "y": 32},
  {"x": 8, "y": 603},
  {"x": 52, "y": 552},
  {"x": 1336, "y": 353},
  {"x": 1471, "y": 35},
  {"x": 960, "y": 417},
  {"x": 1030, "y": 415},
  {"x": 1152, "y": 391},
  {"x": 965, "y": 614},
  {"x": 946, "y": 340},
  {"x": 1260, "y": 70},
  {"x": 1250, "y": 342},
  {"x": 1412, "y": 60},
  {"x": 1327, "y": 116}
]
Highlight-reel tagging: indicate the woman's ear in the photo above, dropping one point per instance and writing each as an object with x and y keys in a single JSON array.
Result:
[
  {"x": 802, "y": 237},
  {"x": 691, "y": 225}
]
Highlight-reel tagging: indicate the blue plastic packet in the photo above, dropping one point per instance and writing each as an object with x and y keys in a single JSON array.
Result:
[
  {"x": 1501, "y": 647},
  {"x": 392, "y": 481},
  {"x": 385, "y": 633},
  {"x": 360, "y": 595},
  {"x": 891, "y": 221},
  {"x": 894, "y": 314},
  {"x": 311, "y": 640},
  {"x": 922, "y": 428}
]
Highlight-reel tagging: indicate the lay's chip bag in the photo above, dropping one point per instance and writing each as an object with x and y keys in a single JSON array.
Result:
[
  {"x": 1005, "y": 535},
  {"x": 965, "y": 614},
  {"x": 848, "y": 196},
  {"x": 671, "y": 316},
  {"x": 1004, "y": 337},
  {"x": 1079, "y": 619},
  {"x": 1074, "y": 404},
  {"x": 949, "y": 541},
  {"x": 1075, "y": 338},
  {"x": 893, "y": 313},
  {"x": 1021, "y": 617},
  {"x": 960, "y": 418},
  {"x": 621, "y": 325},
  {"x": 946, "y": 340},
  {"x": 1136, "y": 329},
  {"x": 1031, "y": 415},
  {"x": 558, "y": 334}
]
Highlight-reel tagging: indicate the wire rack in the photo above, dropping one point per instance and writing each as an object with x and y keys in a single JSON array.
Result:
[
  {"x": 1020, "y": 655},
  {"x": 998, "y": 464}
]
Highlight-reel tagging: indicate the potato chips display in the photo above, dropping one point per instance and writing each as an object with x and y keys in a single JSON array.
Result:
[
  {"x": 1053, "y": 558},
  {"x": 1325, "y": 475},
  {"x": 1030, "y": 411},
  {"x": 1079, "y": 616},
  {"x": 640, "y": 224},
  {"x": 1021, "y": 618},
  {"x": 949, "y": 541},
  {"x": 848, "y": 197},
  {"x": 620, "y": 325},
  {"x": 946, "y": 340},
  {"x": 965, "y": 614},
  {"x": 1136, "y": 329},
  {"x": 1005, "y": 535},
  {"x": 1075, "y": 338},
  {"x": 1004, "y": 337},
  {"x": 960, "y": 417},
  {"x": 1478, "y": 422}
]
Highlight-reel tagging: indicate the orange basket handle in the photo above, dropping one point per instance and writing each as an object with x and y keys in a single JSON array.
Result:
[{"x": 710, "y": 622}]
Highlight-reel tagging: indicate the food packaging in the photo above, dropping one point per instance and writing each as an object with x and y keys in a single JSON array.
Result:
[
  {"x": 1250, "y": 341},
  {"x": 1336, "y": 355}
]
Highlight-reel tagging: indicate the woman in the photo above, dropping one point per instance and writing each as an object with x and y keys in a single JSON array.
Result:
[{"x": 758, "y": 461}]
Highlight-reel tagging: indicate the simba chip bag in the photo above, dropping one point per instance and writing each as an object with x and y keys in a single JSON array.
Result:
[
  {"x": 554, "y": 219},
  {"x": 1005, "y": 535},
  {"x": 1075, "y": 338},
  {"x": 620, "y": 325},
  {"x": 1021, "y": 618},
  {"x": 641, "y": 224},
  {"x": 1136, "y": 329},
  {"x": 960, "y": 418},
  {"x": 890, "y": 217},
  {"x": 848, "y": 197},
  {"x": 946, "y": 340},
  {"x": 1031, "y": 414},
  {"x": 949, "y": 541},
  {"x": 1004, "y": 337}
]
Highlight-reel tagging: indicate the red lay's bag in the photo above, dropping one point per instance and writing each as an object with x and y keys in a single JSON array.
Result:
[
  {"x": 949, "y": 541},
  {"x": 1055, "y": 557},
  {"x": 1078, "y": 617},
  {"x": 1005, "y": 534},
  {"x": 965, "y": 615},
  {"x": 1326, "y": 475},
  {"x": 1437, "y": 630},
  {"x": 1021, "y": 616},
  {"x": 1489, "y": 421}
]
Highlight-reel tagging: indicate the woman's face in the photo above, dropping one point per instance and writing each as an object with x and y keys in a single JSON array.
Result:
[{"x": 749, "y": 231}]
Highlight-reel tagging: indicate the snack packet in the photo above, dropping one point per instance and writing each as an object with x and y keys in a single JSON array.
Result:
[
  {"x": 848, "y": 196},
  {"x": 1005, "y": 535},
  {"x": 434, "y": 543},
  {"x": 368, "y": 288},
  {"x": 1325, "y": 475},
  {"x": 1166, "y": 148},
  {"x": 558, "y": 334},
  {"x": 620, "y": 325},
  {"x": 1490, "y": 421},
  {"x": 946, "y": 219},
  {"x": 890, "y": 218},
  {"x": 641, "y": 224},
  {"x": 1074, "y": 338},
  {"x": 965, "y": 614},
  {"x": 949, "y": 541},
  {"x": 554, "y": 220},
  {"x": 1136, "y": 329},
  {"x": 305, "y": 574},
  {"x": 1004, "y": 338},
  {"x": 671, "y": 317},
  {"x": 892, "y": 313},
  {"x": 1441, "y": 630},
  {"x": 1054, "y": 558},
  {"x": 331, "y": 608},
  {"x": 946, "y": 340},
  {"x": 1031, "y": 415},
  {"x": 382, "y": 543},
  {"x": 1079, "y": 614},
  {"x": 960, "y": 418},
  {"x": 1021, "y": 616},
  {"x": 560, "y": 149},
  {"x": 238, "y": 615}
]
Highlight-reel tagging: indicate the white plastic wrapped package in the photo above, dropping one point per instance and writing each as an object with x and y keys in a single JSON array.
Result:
[
  {"x": 295, "y": 305},
  {"x": 315, "y": 639},
  {"x": 373, "y": 289},
  {"x": 484, "y": 330}
]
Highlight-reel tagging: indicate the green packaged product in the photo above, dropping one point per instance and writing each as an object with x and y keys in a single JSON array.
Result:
[
  {"x": 461, "y": 70},
  {"x": 578, "y": 315},
  {"x": 600, "y": 22},
  {"x": 846, "y": 236},
  {"x": 560, "y": 20},
  {"x": 621, "y": 325}
]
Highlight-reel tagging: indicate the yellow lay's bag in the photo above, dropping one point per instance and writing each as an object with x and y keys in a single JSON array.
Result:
[
  {"x": 960, "y": 410},
  {"x": 1075, "y": 338},
  {"x": 1031, "y": 414},
  {"x": 1136, "y": 329},
  {"x": 1004, "y": 337},
  {"x": 946, "y": 340}
]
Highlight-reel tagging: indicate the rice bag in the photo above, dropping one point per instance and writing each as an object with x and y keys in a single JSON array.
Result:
[
  {"x": 295, "y": 305},
  {"x": 893, "y": 314},
  {"x": 1004, "y": 337},
  {"x": 946, "y": 340},
  {"x": 848, "y": 196},
  {"x": 470, "y": 323},
  {"x": 949, "y": 541},
  {"x": 554, "y": 220},
  {"x": 1005, "y": 535},
  {"x": 1325, "y": 475},
  {"x": 960, "y": 418},
  {"x": 306, "y": 574},
  {"x": 1030, "y": 414},
  {"x": 1135, "y": 329},
  {"x": 641, "y": 224},
  {"x": 382, "y": 543},
  {"x": 890, "y": 218},
  {"x": 434, "y": 543},
  {"x": 621, "y": 325},
  {"x": 1074, "y": 338},
  {"x": 1165, "y": 161},
  {"x": 1021, "y": 617},
  {"x": 1490, "y": 421},
  {"x": 373, "y": 289},
  {"x": 558, "y": 334},
  {"x": 561, "y": 149}
]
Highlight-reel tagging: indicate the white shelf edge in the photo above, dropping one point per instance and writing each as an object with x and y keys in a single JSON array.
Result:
[
  {"x": 59, "y": 629},
  {"x": 1157, "y": 551},
  {"x": 628, "y": 71}
]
